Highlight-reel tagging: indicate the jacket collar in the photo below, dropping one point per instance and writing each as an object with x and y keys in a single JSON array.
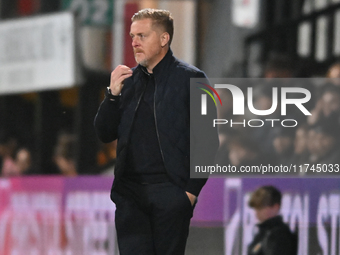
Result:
[
  {"x": 162, "y": 65},
  {"x": 271, "y": 222}
]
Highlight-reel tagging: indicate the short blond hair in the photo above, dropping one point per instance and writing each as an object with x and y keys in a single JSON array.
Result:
[{"x": 162, "y": 18}]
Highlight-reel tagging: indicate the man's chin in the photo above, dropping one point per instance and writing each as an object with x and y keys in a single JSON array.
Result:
[{"x": 141, "y": 62}]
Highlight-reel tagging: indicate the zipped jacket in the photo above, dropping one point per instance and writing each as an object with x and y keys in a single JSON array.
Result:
[{"x": 116, "y": 114}]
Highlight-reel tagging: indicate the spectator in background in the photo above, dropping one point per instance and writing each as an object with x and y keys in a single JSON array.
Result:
[
  {"x": 8, "y": 145},
  {"x": 279, "y": 66},
  {"x": 328, "y": 105},
  {"x": 323, "y": 143},
  {"x": 23, "y": 161},
  {"x": 283, "y": 144},
  {"x": 334, "y": 72},
  {"x": 64, "y": 154},
  {"x": 222, "y": 157},
  {"x": 301, "y": 153},
  {"x": 244, "y": 152},
  {"x": 263, "y": 136},
  {"x": 274, "y": 236}
]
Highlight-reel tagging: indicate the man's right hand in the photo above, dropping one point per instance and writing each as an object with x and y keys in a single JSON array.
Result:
[{"x": 117, "y": 78}]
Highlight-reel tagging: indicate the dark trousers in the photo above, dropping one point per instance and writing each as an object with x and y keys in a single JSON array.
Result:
[{"x": 151, "y": 219}]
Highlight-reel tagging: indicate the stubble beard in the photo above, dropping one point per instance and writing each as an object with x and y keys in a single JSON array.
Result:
[
  {"x": 146, "y": 61},
  {"x": 143, "y": 62}
]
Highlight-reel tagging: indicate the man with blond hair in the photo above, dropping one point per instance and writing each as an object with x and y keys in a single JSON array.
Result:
[{"x": 147, "y": 108}]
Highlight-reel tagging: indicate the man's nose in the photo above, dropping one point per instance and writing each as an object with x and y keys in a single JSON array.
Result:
[{"x": 135, "y": 42}]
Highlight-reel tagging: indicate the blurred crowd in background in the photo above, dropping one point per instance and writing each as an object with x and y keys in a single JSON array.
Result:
[
  {"x": 18, "y": 158},
  {"x": 315, "y": 138},
  {"x": 51, "y": 132}
]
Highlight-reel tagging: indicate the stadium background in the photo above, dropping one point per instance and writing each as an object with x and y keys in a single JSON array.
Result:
[{"x": 52, "y": 121}]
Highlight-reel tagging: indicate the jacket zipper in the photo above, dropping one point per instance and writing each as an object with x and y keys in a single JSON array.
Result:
[
  {"x": 154, "y": 112},
  {"x": 140, "y": 98},
  {"x": 134, "y": 114}
]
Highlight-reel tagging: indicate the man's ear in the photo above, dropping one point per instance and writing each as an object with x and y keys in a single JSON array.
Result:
[{"x": 165, "y": 38}]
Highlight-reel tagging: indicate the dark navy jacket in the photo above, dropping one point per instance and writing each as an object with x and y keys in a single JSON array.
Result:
[
  {"x": 274, "y": 238},
  {"x": 172, "y": 116}
]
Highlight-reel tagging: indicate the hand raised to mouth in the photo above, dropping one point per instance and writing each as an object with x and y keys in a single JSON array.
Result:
[{"x": 118, "y": 76}]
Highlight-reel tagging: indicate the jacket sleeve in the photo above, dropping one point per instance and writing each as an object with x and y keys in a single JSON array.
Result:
[
  {"x": 203, "y": 136},
  {"x": 107, "y": 119}
]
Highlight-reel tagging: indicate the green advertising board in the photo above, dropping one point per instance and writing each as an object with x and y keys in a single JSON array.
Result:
[{"x": 91, "y": 12}]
